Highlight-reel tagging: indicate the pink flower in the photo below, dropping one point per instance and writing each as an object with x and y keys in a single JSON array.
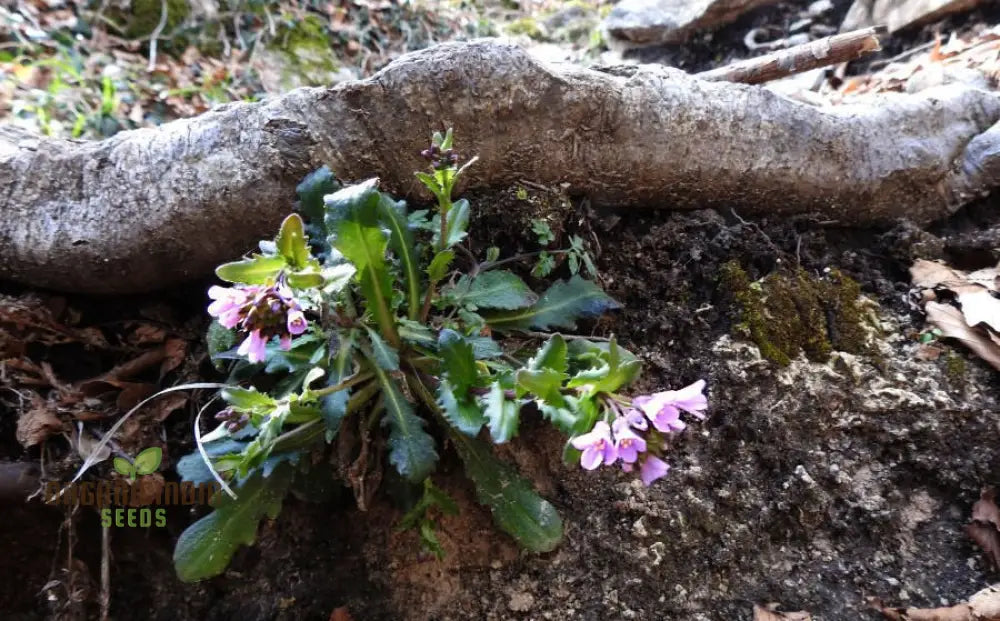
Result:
[
  {"x": 628, "y": 443},
  {"x": 597, "y": 446},
  {"x": 296, "y": 322},
  {"x": 664, "y": 408},
  {"x": 652, "y": 469},
  {"x": 228, "y": 304},
  {"x": 253, "y": 347},
  {"x": 637, "y": 420}
]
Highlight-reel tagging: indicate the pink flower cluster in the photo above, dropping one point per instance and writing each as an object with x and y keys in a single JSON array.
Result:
[
  {"x": 261, "y": 312},
  {"x": 628, "y": 437}
]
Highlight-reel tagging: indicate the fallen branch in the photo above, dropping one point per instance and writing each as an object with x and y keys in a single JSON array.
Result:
[
  {"x": 151, "y": 207},
  {"x": 832, "y": 50}
]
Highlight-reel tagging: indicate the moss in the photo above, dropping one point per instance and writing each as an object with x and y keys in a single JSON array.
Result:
[
  {"x": 305, "y": 46},
  {"x": 789, "y": 312},
  {"x": 144, "y": 16},
  {"x": 526, "y": 26},
  {"x": 955, "y": 368}
]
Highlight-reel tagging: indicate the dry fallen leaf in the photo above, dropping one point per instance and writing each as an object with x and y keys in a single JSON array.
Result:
[
  {"x": 341, "y": 614},
  {"x": 979, "y": 306},
  {"x": 983, "y": 606},
  {"x": 176, "y": 350},
  {"x": 930, "y": 274},
  {"x": 37, "y": 424},
  {"x": 770, "y": 613},
  {"x": 985, "y": 524},
  {"x": 951, "y": 322}
]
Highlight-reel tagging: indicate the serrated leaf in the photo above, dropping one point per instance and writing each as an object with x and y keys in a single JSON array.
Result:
[
  {"x": 618, "y": 368},
  {"x": 502, "y": 414},
  {"x": 393, "y": 215},
  {"x": 560, "y": 306},
  {"x": 247, "y": 399},
  {"x": 458, "y": 363},
  {"x": 562, "y": 417},
  {"x": 517, "y": 509},
  {"x": 542, "y": 383},
  {"x": 258, "y": 270},
  {"x": 311, "y": 191},
  {"x": 334, "y": 405},
  {"x": 551, "y": 355},
  {"x": 430, "y": 181},
  {"x": 206, "y": 547},
  {"x": 460, "y": 410},
  {"x": 148, "y": 460},
  {"x": 385, "y": 356},
  {"x": 438, "y": 268},
  {"x": 495, "y": 289},
  {"x": 291, "y": 242},
  {"x": 305, "y": 280},
  {"x": 411, "y": 448},
  {"x": 123, "y": 467}
]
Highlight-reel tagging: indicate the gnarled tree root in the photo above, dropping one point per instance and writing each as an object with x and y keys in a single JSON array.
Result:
[{"x": 152, "y": 207}]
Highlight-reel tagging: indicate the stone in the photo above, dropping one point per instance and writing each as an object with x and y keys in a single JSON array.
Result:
[
  {"x": 900, "y": 14},
  {"x": 651, "y": 22}
]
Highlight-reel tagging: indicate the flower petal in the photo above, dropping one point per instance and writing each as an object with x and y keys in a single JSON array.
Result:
[{"x": 652, "y": 469}]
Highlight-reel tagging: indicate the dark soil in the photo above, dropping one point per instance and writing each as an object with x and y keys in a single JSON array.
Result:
[{"x": 737, "y": 522}]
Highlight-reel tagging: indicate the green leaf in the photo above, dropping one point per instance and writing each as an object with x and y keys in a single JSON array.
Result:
[
  {"x": 531, "y": 520},
  {"x": 247, "y": 399},
  {"x": 256, "y": 271},
  {"x": 502, "y": 414},
  {"x": 219, "y": 339},
  {"x": 562, "y": 417},
  {"x": 337, "y": 277},
  {"x": 458, "y": 221},
  {"x": 416, "y": 333},
  {"x": 385, "y": 356},
  {"x": 311, "y": 191},
  {"x": 206, "y": 547},
  {"x": 551, "y": 355},
  {"x": 438, "y": 268},
  {"x": 544, "y": 266},
  {"x": 496, "y": 289},
  {"x": 192, "y": 467},
  {"x": 291, "y": 242},
  {"x": 462, "y": 412},
  {"x": 305, "y": 280},
  {"x": 361, "y": 240},
  {"x": 411, "y": 448},
  {"x": 560, "y": 306},
  {"x": 393, "y": 215},
  {"x": 305, "y": 352},
  {"x": 619, "y": 368},
  {"x": 542, "y": 383},
  {"x": 123, "y": 467},
  {"x": 334, "y": 405},
  {"x": 483, "y": 347},
  {"x": 430, "y": 181},
  {"x": 458, "y": 362},
  {"x": 148, "y": 460}
]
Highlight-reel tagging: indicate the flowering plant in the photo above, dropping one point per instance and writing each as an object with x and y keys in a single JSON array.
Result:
[{"x": 360, "y": 330}]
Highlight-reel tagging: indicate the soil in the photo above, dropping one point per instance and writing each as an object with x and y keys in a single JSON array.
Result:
[{"x": 815, "y": 484}]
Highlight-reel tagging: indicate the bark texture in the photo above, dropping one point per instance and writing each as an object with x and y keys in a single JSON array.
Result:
[{"x": 148, "y": 208}]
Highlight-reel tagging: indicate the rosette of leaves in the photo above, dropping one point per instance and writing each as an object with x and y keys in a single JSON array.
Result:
[{"x": 405, "y": 347}]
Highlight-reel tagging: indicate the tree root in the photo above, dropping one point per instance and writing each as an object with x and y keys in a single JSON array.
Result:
[{"x": 148, "y": 208}]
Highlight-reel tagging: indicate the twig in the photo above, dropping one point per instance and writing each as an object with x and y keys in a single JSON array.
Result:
[
  {"x": 568, "y": 337},
  {"x": 105, "y": 573},
  {"x": 156, "y": 33},
  {"x": 898, "y": 57},
  {"x": 820, "y": 53}
]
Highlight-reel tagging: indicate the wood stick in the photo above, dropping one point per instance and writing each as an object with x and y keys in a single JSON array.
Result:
[{"x": 819, "y": 53}]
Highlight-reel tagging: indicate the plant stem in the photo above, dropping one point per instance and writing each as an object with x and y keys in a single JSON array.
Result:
[
  {"x": 518, "y": 257},
  {"x": 306, "y": 433},
  {"x": 426, "y": 310},
  {"x": 351, "y": 381}
]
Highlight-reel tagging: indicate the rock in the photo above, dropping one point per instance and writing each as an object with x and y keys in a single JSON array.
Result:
[
  {"x": 650, "y": 22},
  {"x": 900, "y": 14}
]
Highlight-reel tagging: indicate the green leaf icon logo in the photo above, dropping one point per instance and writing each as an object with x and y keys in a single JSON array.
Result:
[
  {"x": 148, "y": 461},
  {"x": 124, "y": 468}
]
